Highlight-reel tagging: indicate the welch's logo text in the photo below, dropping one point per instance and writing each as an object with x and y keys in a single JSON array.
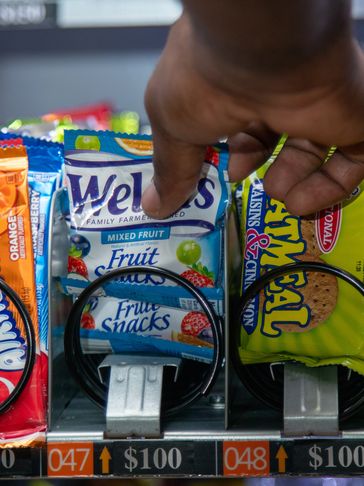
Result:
[{"x": 119, "y": 194}]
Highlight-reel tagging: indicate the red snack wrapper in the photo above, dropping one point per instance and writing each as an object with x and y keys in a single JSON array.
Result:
[{"x": 96, "y": 117}]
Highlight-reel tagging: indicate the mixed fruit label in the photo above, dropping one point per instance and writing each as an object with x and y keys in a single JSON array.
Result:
[{"x": 105, "y": 176}]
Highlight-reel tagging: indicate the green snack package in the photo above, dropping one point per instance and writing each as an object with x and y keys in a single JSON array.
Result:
[{"x": 310, "y": 317}]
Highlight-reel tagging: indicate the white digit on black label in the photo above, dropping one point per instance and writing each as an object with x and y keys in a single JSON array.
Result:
[
  {"x": 345, "y": 456},
  {"x": 174, "y": 458},
  {"x": 359, "y": 456},
  {"x": 7, "y": 458},
  {"x": 161, "y": 459}
]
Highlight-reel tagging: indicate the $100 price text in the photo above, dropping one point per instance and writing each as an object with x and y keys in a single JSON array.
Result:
[
  {"x": 340, "y": 457},
  {"x": 147, "y": 459}
]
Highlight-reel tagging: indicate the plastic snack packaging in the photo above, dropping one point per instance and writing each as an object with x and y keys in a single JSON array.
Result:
[
  {"x": 313, "y": 318},
  {"x": 11, "y": 142},
  {"x": 44, "y": 177},
  {"x": 105, "y": 175},
  {"x": 36, "y": 128},
  {"x": 25, "y": 418},
  {"x": 51, "y": 126},
  {"x": 96, "y": 117},
  {"x": 26, "y": 140},
  {"x": 126, "y": 122}
]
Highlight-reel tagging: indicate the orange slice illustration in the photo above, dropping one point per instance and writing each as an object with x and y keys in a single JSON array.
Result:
[{"x": 135, "y": 146}]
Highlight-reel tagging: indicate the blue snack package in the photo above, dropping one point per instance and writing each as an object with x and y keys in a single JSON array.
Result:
[
  {"x": 129, "y": 343},
  {"x": 45, "y": 165},
  {"x": 32, "y": 141}
]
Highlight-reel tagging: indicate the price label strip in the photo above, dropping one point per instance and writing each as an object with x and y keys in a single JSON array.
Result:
[
  {"x": 27, "y": 13},
  {"x": 24, "y": 462},
  {"x": 320, "y": 457},
  {"x": 153, "y": 457},
  {"x": 188, "y": 458},
  {"x": 342, "y": 457},
  {"x": 132, "y": 458}
]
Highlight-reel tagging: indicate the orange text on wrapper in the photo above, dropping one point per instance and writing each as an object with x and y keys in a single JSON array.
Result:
[{"x": 16, "y": 237}]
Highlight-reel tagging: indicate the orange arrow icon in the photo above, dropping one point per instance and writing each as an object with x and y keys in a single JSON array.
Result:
[
  {"x": 105, "y": 460},
  {"x": 282, "y": 457}
]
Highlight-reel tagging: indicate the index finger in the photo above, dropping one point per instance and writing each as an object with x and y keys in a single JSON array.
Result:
[{"x": 177, "y": 170}]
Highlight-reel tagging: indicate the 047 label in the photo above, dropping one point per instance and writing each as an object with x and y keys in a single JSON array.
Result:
[{"x": 70, "y": 459}]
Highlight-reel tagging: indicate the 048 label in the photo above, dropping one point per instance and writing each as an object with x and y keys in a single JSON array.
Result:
[{"x": 246, "y": 458}]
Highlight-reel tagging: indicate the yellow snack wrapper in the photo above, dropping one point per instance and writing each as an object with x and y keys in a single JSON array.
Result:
[{"x": 310, "y": 317}]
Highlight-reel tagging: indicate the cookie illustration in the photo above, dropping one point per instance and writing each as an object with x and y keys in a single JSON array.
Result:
[
  {"x": 309, "y": 236},
  {"x": 319, "y": 294},
  {"x": 187, "y": 339}
]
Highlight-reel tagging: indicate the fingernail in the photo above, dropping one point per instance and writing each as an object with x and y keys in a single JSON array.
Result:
[{"x": 151, "y": 202}]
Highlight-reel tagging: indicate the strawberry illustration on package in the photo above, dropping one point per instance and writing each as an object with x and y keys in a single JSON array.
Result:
[{"x": 105, "y": 176}]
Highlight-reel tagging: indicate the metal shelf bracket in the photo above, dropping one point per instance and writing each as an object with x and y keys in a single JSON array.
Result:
[
  {"x": 135, "y": 393},
  {"x": 310, "y": 401}
]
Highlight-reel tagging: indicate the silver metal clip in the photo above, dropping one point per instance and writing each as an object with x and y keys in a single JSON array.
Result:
[
  {"x": 311, "y": 405},
  {"x": 135, "y": 393}
]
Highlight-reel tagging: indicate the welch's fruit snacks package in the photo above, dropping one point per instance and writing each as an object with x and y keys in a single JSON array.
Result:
[{"x": 105, "y": 176}]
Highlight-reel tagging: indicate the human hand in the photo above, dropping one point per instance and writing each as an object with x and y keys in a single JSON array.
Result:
[{"x": 195, "y": 98}]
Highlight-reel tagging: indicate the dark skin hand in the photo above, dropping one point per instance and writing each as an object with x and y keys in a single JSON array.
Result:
[{"x": 247, "y": 71}]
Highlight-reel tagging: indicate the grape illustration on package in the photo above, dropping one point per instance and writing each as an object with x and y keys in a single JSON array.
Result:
[{"x": 105, "y": 176}]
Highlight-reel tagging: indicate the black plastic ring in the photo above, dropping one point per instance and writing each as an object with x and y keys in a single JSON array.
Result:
[
  {"x": 246, "y": 372},
  {"x": 30, "y": 352},
  {"x": 83, "y": 369}
]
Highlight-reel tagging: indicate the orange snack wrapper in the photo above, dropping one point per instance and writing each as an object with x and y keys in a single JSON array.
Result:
[{"x": 27, "y": 414}]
